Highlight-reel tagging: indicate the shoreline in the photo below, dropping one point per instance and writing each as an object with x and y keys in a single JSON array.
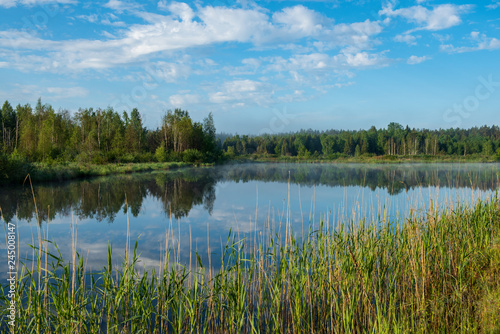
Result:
[{"x": 43, "y": 172}]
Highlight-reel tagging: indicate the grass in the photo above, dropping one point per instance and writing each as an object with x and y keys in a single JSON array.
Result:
[
  {"x": 42, "y": 172},
  {"x": 437, "y": 272}
]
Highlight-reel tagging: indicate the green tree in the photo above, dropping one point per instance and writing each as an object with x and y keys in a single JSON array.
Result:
[
  {"x": 209, "y": 134},
  {"x": 8, "y": 120}
]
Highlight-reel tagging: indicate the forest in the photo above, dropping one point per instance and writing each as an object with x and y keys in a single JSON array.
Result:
[
  {"x": 102, "y": 136},
  {"x": 394, "y": 141}
]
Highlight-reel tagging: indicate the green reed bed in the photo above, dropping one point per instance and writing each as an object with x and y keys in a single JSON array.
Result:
[
  {"x": 44, "y": 172},
  {"x": 438, "y": 273}
]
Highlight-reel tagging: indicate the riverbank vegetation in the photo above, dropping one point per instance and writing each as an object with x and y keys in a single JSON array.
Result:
[
  {"x": 57, "y": 145},
  {"x": 436, "y": 272},
  {"x": 396, "y": 143},
  {"x": 43, "y": 142}
]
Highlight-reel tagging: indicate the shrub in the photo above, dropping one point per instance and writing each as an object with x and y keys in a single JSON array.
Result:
[
  {"x": 161, "y": 154},
  {"x": 192, "y": 155},
  {"x": 129, "y": 157},
  {"x": 13, "y": 168},
  {"x": 99, "y": 159}
]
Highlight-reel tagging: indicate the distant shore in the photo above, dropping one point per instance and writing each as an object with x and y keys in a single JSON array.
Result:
[{"x": 44, "y": 172}]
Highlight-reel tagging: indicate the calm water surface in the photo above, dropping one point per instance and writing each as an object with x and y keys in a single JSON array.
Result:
[{"x": 194, "y": 209}]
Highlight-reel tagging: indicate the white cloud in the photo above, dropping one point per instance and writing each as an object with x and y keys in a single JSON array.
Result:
[
  {"x": 442, "y": 38},
  {"x": 66, "y": 92},
  {"x": 14, "y": 3},
  {"x": 481, "y": 42},
  {"x": 169, "y": 72},
  {"x": 185, "y": 28},
  {"x": 92, "y": 18},
  {"x": 8, "y": 3},
  {"x": 299, "y": 20},
  {"x": 493, "y": 5},
  {"x": 121, "y": 6},
  {"x": 438, "y": 18},
  {"x": 243, "y": 91},
  {"x": 354, "y": 36},
  {"x": 33, "y": 92},
  {"x": 406, "y": 38},
  {"x": 321, "y": 62},
  {"x": 364, "y": 59},
  {"x": 417, "y": 60},
  {"x": 181, "y": 10},
  {"x": 250, "y": 66},
  {"x": 182, "y": 100}
]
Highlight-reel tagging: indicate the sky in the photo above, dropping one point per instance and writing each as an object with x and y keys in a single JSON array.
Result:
[{"x": 259, "y": 66}]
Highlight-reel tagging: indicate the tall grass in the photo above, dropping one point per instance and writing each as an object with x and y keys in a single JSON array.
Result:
[{"x": 438, "y": 272}]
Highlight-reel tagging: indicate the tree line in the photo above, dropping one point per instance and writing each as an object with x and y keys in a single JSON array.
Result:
[
  {"x": 395, "y": 140},
  {"x": 41, "y": 134}
]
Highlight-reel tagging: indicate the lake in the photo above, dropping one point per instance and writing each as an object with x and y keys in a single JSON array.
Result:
[{"x": 192, "y": 210}]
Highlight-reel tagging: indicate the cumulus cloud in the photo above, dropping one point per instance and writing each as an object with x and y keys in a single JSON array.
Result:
[
  {"x": 179, "y": 30},
  {"x": 66, "y": 92},
  {"x": 121, "y": 6},
  {"x": 92, "y": 18},
  {"x": 406, "y": 38},
  {"x": 417, "y": 60},
  {"x": 30, "y": 3},
  {"x": 480, "y": 42},
  {"x": 181, "y": 100},
  {"x": 354, "y": 36},
  {"x": 33, "y": 92},
  {"x": 493, "y": 5},
  {"x": 322, "y": 62},
  {"x": 300, "y": 20},
  {"x": 438, "y": 18},
  {"x": 243, "y": 92},
  {"x": 181, "y": 10}
]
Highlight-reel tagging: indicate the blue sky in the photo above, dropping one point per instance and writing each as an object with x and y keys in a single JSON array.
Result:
[{"x": 259, "y": 66}]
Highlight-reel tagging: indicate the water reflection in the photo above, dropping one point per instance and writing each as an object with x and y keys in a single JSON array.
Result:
[
  {"x": 179, "y": 191},
  {"x": 192, "y": 210}
]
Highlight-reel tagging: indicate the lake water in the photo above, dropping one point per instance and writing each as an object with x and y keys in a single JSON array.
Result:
[{"x": 192, "y": 210}]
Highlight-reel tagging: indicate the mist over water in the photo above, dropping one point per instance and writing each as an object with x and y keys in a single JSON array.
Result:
[{"x": 193, "y": 210}]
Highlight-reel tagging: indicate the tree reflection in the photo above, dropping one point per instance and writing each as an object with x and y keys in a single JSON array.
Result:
[{"x": 181, "y": 190}]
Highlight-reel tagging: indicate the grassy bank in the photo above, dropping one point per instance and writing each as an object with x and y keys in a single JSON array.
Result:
[
  {"x": 15, "y": 171},
  {"x": 437, "y": 273},
  {"x": 44, "y": 172}
]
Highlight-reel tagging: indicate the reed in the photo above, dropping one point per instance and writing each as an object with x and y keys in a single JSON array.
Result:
[{"x": 434, "y": 272}]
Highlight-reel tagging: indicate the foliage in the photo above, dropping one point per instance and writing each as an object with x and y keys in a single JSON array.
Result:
[
  {"x": 101, "y": 136},
  {"x": 161, "y": 154},
  {"x": 395, "y": 141},
  {"x": 13, "y": 168},
  {"x": 192, "y": 155}
]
